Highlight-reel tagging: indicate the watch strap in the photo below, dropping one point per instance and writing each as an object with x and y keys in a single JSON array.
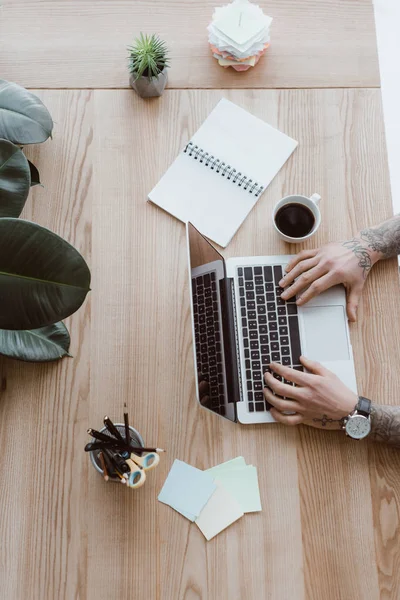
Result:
[{"x": 363, "y": 406}]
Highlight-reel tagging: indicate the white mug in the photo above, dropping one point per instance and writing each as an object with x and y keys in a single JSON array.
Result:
[{"x": 311, "y": 203}]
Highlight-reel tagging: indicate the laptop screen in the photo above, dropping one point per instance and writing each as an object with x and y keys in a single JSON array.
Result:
[{"x": 210, "y": 323}]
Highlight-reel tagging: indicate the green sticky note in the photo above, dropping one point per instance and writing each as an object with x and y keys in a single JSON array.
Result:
[
  {"x": 235, "y": 463},
  {"x": 242, "y": 484}
]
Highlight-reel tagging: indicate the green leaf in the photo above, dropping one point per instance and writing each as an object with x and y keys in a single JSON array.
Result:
[
  {"x": 24, "y": 119},
  {"x": 38, "y": 345},
  {"x": 15, "y": 179},
  {"x": 43, "y": 279},
  {"x": 35, "y": 177},
  {"x": 148, "y": 56}
]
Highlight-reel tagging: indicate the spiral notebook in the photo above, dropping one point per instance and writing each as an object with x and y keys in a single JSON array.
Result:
[{"x": 220, "y": 174}]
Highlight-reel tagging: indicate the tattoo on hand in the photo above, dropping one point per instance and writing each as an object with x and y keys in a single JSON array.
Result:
[
  {"x": 325, "y": 419},
  {"x": 362, "y": 253},
  {"x": 385, "y": 424},
  {"x": 385, "y": 238}
]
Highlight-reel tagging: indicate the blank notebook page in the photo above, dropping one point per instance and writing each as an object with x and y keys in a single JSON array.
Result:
[{"x": 219, "y": 176}]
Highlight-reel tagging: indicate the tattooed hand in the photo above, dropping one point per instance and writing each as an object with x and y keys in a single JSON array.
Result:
[
  {"x": 344, "y": 262},
  {"x": 319, "y": 398},
  {"x": 347, "y": 263}
]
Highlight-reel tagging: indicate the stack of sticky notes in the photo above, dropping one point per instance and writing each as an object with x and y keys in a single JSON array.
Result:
[
  {"x": 239, "y": 34},
  {"x": 213, "y": 499}
]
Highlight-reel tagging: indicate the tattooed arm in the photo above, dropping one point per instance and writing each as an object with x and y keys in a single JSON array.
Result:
[
  {"x": 346, "y": 262},
  {"x": 383, "y": 240},
  {"x": 321, "y": 400},
  {"x": 385, "y": 424}
]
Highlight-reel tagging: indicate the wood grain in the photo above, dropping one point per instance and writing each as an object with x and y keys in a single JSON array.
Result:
[
  {"x": 142, "y": 354},
  {"x": 317, "y": 528},
  {"x": 330, "y": 515},
  {"x": 44, "y": 408},
  {"x": 82, "y": 43},
  {"x": 334, "y": 472},
  {"x": 384, "y": 464}
]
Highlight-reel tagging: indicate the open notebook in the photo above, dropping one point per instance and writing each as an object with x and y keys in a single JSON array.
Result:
[{"x": 223, "y": 170}]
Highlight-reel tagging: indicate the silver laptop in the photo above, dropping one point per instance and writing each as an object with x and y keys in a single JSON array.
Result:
[{"x": 241, "y": 324}]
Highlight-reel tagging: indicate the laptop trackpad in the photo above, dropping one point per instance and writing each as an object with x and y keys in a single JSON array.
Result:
[{"x": 325, "y": 333}]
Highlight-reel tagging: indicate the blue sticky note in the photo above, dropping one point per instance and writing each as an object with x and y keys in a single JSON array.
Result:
[{"x": 187, "y": 489}]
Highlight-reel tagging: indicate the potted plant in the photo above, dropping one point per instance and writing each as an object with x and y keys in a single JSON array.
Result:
[
  {"x": 43, "y": 279},
  {"x": 148, "y": 63}
]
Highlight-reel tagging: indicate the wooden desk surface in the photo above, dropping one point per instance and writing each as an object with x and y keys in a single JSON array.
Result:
[
  {"x": 82, "y": 43},
  {"x": 331, "y": 507},
  {"x": 330, "y": 520}
]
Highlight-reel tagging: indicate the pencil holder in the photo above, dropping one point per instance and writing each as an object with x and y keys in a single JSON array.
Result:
[{"x": 136, "y": 440}]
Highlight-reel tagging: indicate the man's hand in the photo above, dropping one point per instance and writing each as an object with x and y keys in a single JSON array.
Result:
[
  {"x": 318, "y": 399},
  {"x": 317, "y": 270}
]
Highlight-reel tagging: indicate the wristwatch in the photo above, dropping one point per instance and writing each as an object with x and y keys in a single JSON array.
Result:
[{"x": 358, "y": 424}]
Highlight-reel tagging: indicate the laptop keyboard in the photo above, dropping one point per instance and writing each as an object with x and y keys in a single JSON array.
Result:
[
  {"x": 207, "y": 328},
  {"x": 270, "y": 329}
]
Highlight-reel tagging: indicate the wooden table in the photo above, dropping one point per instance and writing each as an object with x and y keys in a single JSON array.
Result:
[
  {"x": 330, "y": 519},
  {"x": 82, "y": 43}
]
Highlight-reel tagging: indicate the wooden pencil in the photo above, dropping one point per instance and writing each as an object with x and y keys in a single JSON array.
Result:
[{"x": 103, "y": 466}]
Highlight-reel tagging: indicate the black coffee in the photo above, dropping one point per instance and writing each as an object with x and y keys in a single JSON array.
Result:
[{"x": 295, "y": 220}]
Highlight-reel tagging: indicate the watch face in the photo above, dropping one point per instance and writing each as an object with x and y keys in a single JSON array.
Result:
[{"x": 358, "y": 427}]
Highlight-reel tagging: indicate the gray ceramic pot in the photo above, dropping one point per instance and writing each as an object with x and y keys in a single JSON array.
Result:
[{"x": 148, "y": 88}]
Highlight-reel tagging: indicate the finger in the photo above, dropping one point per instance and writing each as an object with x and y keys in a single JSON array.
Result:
[
  {"x": 353, "y": 298},
  {"x": 282, "y": 389},
  {"x": 304, "y": 265},
  {"x": 203, "y": 387},
  {"x": 204, "y": 392},
  {"x": 299, "y": 257},
  {"x": 316, "y": 288},
  {"x": 314, "y": 367},
  {"x": 290, "y": 374},
  {"x": 304, "y": 280},
  {"x": 286, "y": 419},
  {"x": 205, "y": 401},
  {"x": 280, "y": 403}
]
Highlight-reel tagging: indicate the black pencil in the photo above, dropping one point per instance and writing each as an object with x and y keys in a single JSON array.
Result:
[
  {"x": 127, "y": 430},
  {"x": 112, "y": 429},
  {"x": 109, "y": 464},
  {"x": 100, "y": 436},
  {"x": 117, "y": 464},
  {"x": 114, "y": 445}
]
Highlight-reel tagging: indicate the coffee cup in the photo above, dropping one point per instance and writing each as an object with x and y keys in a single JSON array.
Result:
[{"x": 296, "y": 218}]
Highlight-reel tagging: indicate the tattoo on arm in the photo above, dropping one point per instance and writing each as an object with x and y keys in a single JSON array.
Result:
[
  {"x": 385, "y": 238},
  {"x": 325, "y": 419},
  {"x": 362, "y": 253},
  {"x": 385, "y": 424}
]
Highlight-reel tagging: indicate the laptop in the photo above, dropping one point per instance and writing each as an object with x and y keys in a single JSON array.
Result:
[{"x": 241, "y": 324}]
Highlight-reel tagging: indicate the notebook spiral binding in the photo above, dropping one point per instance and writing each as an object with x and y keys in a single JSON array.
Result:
[{"x": 225, "y": 170}]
